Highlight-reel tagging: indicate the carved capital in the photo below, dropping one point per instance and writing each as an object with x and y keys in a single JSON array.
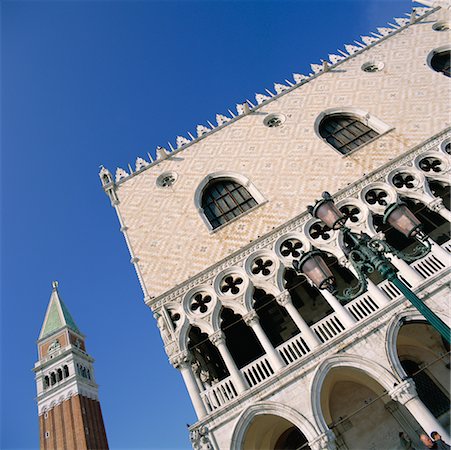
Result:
[
  {"x": 343, "y": 261},
  {"x": 181, "y": 360},
  {"x": 404, "y": 392},
  {"x": 251, "y": 318},
  {"x": 217, "y": 338},
  {"x": 283, "y": 298},
  {"x": 325, "y": 441},
  {"x": 436, "y": 204},
  {"x": 200, "y": 440}
]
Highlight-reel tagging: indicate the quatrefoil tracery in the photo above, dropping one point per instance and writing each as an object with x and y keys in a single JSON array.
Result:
[
  {"x": 231, "y": 284},
  {"x": 262, "y": 266},
  {"x": 376, "y": 196},
  {"x": 351, "y": 212},
  {"x": 291, "y": 248},
  {"x": 320, "y": 230},
  {"x": 404, "y": 180},
  {"x": 200, "y": 302},
  {"x": 431, "y": 164}
]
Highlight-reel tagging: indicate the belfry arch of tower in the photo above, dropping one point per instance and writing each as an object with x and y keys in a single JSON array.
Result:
[{"x": 261, "y": 425}]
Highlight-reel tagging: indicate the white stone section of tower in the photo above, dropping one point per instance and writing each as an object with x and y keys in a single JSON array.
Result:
[{"x": 372, "y": 128}]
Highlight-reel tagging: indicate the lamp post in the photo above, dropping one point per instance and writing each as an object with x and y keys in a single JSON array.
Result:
[{"x": 368, "y": 254}]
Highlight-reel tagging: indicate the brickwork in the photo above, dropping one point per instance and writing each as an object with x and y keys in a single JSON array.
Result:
[
  {"x": 164, "y": 225},
  {"x": 62, "y": 338}
]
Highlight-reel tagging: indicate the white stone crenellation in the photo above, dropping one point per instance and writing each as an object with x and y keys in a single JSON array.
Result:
[{"x": 280, "y": 89}]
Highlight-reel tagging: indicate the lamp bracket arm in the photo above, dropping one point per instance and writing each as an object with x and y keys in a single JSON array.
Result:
[
  {"x": 362, "y": 268},
  {"x": 380, "y": 246}
]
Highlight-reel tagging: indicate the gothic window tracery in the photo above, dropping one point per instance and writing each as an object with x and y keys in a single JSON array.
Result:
[
  {"x": 262, "y": 266},
  {"x": 345, "y": 132},
  {"x": 200, "y": 302},
  {"x": 351, "y": 212},
  {"x": 291, "y": 248},
  {"x": 231, "y": 284},
  {"x": 225, "y": 199}
]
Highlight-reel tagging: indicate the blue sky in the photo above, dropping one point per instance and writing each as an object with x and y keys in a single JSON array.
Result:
[{"x": 89, "y": 83}]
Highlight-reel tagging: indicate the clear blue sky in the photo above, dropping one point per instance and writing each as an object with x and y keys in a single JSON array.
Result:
[{"x": 89, "y": 83}]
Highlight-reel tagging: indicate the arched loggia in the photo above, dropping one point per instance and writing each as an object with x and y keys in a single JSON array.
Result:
[
  {"x": 434, "y": 225},
  {"x": 309, "y": 302},
  {"x": 207, "y": 364},
  {"x": 240, "y": 339},
  {"x": 440, "y": 189},
  {"x": 274, "y": 319},
  {"x": 344, "y": 278},
  {"x": 424, "y": 356}
]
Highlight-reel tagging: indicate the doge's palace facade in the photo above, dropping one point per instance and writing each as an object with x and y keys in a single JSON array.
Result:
[{"x": 214, "y": 223}]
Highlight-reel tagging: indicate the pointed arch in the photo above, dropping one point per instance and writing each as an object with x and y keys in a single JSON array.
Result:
[
  {"x": 374, "y": 370},
  {"x": 392, "y": 332},
  {"x": 273, "y": 408}
]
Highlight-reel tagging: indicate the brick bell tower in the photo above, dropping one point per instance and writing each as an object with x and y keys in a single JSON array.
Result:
[{"x": 69, "y": 411}]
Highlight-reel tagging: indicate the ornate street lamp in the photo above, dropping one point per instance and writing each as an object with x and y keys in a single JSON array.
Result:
[{"x": 367, "y": 254}]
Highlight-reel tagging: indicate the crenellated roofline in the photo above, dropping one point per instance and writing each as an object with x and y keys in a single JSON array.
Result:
[{"x": 246, "y": 108}]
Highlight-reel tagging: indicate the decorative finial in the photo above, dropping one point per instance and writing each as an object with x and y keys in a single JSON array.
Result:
[{"x": 55, "y": 285}]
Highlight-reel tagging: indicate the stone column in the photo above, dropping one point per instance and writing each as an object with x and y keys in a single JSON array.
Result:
[
  {"x": 325, "y": 441},
  {"x": 182, "y": 362},
  {"x": 252, "y": 320},
  {"x": 437, "y": 206},
  {"x": 377, "y": 294},
  {"x": 407, "y": 272},
  {"x": 218, "y": 340},
  {"x": 284, "y": 299},
  {"x": 440, "y": 253},
  {"x": 346, "y": 318},
  {"x": 406, "y": 394}
]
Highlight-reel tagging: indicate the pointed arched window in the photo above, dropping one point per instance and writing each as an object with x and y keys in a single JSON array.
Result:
[
  {"x": 225, "y": 199},
  {"x": 346, "y": 132}
]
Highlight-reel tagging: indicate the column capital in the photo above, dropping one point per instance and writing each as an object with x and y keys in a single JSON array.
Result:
[
  {"x": 404, "y": 392},
  {"x": 325, "y": 441},
  {"x": 200, "y": 438},
  {"x": 251, "y": 318},
  {"x": 284, "y": 298},
  {"x": 181, "y": 360},
  {"x": 217, "y": 338},
  {"x": 343, "y": 261},
  {"x": 436, "y": 204}
]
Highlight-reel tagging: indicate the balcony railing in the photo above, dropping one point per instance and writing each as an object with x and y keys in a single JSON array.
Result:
[
  {"x": 428, "y": 266},
  {"x": 257, "y": 371},
  {"x": 218, "y": 395},
  {"x": 293, "y": 349},
  {"x": 326, "y": 329},
  {"x": 362, "y": 306}
]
